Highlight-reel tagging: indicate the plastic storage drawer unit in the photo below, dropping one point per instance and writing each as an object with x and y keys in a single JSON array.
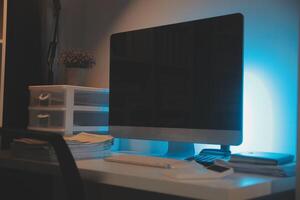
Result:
[{"x": 68, "y": 109}]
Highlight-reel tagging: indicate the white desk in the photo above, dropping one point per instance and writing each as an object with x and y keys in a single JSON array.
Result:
[{"x": 236, "y": 186}]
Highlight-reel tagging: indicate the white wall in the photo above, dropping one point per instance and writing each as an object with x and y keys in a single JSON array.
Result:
[{"x": 270, "y": 55}]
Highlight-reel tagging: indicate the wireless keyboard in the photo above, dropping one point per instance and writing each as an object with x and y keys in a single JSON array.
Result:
[
  {"x": 206, "y": 159},
  {"x": 178, "y": 169},
  {"x": 149, "y": 161},
  {"x": 207, "y": 156}
]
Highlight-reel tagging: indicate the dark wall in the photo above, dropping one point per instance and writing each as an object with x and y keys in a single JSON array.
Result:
[{"x": 23, "y": 60}]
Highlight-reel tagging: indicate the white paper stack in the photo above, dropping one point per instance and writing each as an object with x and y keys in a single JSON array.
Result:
[
  {"x": 82, "y": 146},
  {"x": 87, "y": 146}
]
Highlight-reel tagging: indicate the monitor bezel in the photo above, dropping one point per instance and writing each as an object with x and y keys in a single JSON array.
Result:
[{"x": 203, "y": 136}]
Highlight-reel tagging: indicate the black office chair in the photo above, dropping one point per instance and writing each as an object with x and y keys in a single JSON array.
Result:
[{"x": 70, "y": 174}]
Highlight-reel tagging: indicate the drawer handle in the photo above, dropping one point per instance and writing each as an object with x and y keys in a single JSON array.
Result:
[
  {"x": 42, "y": 116},
  {"x": 44, "y": 96}
]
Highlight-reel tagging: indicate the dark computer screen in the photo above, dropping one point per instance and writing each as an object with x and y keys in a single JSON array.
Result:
[{"x": 186, "y": 75}]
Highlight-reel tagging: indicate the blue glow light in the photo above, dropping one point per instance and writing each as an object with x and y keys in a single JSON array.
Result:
[
  {"x": 259, "y": 112},
  {"x": 103, "y": 129},
  {"x": 103, "y": 109}
]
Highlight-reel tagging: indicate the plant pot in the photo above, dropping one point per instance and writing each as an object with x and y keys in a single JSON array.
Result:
[{"x": 75, "y": 76}]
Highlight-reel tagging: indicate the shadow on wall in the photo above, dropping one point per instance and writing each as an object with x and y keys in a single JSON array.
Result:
[
  {"x": 46, "y": 27},
  {"x": 100, "y": 19},
  {"x": 98, "y": 23},
  {"x": 81, "y": 27}
]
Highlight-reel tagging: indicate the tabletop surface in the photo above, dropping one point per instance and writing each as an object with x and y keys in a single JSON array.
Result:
[{"x": 235, "y": 186}]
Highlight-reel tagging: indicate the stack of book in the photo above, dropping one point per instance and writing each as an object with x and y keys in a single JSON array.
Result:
[
  {"x": 266, "y": 163},
  {"x": 82, "y": 146}
]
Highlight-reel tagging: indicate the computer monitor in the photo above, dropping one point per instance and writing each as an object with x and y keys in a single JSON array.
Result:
[{"x": 179, "y": 82}]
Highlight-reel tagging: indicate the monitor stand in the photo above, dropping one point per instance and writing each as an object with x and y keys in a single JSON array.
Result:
[
  {"x": 184, "y": 150},
  {"x": 180, "y": 150},
  {"x": 176, "y": 150}
]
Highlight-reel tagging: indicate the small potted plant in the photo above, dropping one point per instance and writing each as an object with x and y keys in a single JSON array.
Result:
[{"x": 77, "y": 63}]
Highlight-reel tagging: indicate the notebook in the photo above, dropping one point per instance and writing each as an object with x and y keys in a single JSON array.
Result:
[{"x": 263, "y": 158}]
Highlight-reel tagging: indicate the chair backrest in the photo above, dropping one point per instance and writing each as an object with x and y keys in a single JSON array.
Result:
[{"x": 70, "y": 173}]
